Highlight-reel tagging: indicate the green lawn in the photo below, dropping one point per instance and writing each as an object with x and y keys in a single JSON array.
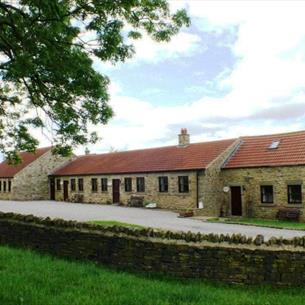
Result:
[
  {"x": 110, "y": 223},
  {"x": 262, "y": 223},
  {"x": 30, "y": 279}
]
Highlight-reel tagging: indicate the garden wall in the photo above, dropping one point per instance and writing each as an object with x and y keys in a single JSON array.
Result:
[{"x": 231, "y": 259}]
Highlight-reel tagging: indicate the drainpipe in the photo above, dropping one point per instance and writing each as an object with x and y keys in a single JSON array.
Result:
[{"x": 197, "y": 190}]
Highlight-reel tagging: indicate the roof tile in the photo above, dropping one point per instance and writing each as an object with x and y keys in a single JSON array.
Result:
[
  {"x": 9, "y": 171},
  {"x": 171, "y": 158},
  {"x": 255, "y": 152}
]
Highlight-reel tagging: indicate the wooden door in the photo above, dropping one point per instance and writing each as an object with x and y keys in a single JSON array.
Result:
[
  {"x": 52, "y": 188},
  {"x": 66, "y": 190},
  {"x": 116, "y": 190},
  {"x": 236, "y": 204}
]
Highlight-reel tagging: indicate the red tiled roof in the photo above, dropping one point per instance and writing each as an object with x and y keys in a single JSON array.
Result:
[
  {"x": 8, "y": 171},
  {"x": 255, "y": 152},
  {"x": 171, "y": 158}
]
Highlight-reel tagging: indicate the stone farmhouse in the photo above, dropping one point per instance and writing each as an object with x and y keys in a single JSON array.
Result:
[
  {"x": 249, "y": 176},
  {"x": 29, "y": 180}
]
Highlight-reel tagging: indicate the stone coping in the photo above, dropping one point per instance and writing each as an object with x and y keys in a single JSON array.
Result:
[{"x": 199, "y": 239}]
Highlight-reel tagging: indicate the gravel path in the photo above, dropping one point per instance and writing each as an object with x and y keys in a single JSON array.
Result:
[{"x": 152, "y": 218}]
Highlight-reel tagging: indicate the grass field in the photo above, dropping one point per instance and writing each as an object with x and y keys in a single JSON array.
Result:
[
  {"x": 27, "y": 278},
  {"x": 262, "y": 223},
  {"x": 108, "y": 223}
]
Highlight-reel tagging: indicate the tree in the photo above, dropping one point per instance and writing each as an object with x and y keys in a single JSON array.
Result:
[{"x": 46, "y": 53}]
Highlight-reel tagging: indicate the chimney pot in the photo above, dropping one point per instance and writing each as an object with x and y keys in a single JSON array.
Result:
[{"x": 184, "y": 137}]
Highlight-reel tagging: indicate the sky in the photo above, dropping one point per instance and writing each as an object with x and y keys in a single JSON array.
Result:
[{"x": 239, "y": 69}]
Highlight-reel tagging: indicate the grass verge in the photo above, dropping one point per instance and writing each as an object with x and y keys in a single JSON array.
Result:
[
  {"x": 30, "y": 279},
  {"x": 270, "y": 223},
  {"x": 110, "y": 223}
]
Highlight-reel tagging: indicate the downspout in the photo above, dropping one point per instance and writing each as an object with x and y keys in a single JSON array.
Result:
[{"x": 197, "y": 190}]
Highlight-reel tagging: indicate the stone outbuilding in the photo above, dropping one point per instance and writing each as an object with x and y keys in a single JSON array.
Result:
[
  {"x": 180, "y": 177},
  {"x": 266, "y": 173},
  {"x": 252, "y": 176},
  {"x": 29, "y": 180}
]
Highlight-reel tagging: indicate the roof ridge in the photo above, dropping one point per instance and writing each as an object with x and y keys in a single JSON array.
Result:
[
  {"x": 38, "y": 149},
  {"x": 8, "y": 170},
  {"x": 159, "y": 159},
  {"x": 155, "y": 148},
  {"x": 274, "y": 134},
  {"x": 233, "y": 153},
  {"x": 255, "y": 152}
]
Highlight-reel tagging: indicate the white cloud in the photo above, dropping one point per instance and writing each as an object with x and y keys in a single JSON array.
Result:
[
  {"x": 114, "y": 88},
  {"x": 270, "y": 46},
  {"x": 183, "y": 44}
]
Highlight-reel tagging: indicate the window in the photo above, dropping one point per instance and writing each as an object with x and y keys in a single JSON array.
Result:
[
  {"x": 104, "y": 184},
  {"x": 163, "y": 184},
  {"x": 58, "y": 185},
  {"x": 275, "y": 144},
  {"x": 80, "y": 184},
  {"x": 4, "y": 186},
  {"x": 266, "y": 193},
  {"x": 73, "y": 186},
  {"x": 9, "y": 185},
  {"x": 128, "y": 184},
  {"x": 0, "y": 186},
  {"x": 295, "y": 193},
  {"x": 183, "y": 182},
  {"x": 94, "y": 185},
  {"x": 140, "y": 184}
]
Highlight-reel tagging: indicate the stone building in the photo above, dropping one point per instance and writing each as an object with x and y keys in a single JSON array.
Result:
[
  {"x": 264, "y": 174},
  {"x": 29, "y": 180},
  {"x": 184, "y": 176},
  {"x": 249, "y": 176}
]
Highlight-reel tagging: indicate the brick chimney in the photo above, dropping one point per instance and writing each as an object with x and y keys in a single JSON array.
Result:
[{"x": 184, "y": 137}]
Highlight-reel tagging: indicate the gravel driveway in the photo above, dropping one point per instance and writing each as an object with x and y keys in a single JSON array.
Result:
[{"x": 152, "y": 218}]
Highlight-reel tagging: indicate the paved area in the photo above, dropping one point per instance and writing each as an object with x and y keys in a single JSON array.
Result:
[{"x": 152, "y": 218}]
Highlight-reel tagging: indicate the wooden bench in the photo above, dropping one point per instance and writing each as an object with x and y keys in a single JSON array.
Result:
[
  {"x": 77, "y": 198},
  {"x": 186, "y": 214},
  {"x": 288, "y": 214},
  {"x": 136, "y": 201}
]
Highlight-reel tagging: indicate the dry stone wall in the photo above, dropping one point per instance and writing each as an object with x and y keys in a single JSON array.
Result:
[{"x": 230, "y": 259}]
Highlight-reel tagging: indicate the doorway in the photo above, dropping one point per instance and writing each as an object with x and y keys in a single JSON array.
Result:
[
  {"x": 116, "y": 190},
  {"x": 66, "y": 190},
  {"x": 52, "y": 188},
  {"x": 236, "y": 202}
]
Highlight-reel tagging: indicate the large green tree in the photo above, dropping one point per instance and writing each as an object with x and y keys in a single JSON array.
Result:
[{"x": 46, "y": 54}]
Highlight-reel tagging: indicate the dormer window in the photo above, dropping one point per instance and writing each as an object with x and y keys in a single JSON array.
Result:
[{"x": 275, "y": 144}]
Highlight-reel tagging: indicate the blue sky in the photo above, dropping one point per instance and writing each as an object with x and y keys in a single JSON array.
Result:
[
  {"x": 179, "y": 79},
  {"x": 238, "y": 70}
]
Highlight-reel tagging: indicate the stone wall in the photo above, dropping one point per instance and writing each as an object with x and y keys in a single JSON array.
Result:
[
  {"x": 32, "y": 182},
  {"x": 251, "y": 179},
  {"x": 169, "y": 200},
  {"x": 234, "y": 259},
  {"x": 211, "y": 184}
]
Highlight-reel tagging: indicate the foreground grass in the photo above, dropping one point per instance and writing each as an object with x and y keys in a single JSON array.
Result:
[
  {"x": 110, "y": 223},
  {"x": 30, "y": 279},
  {"x": 280, "y": 224}
]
